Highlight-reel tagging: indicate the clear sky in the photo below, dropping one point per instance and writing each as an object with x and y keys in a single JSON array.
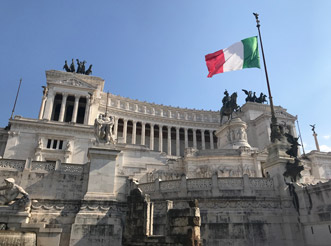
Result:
[{"x": 154, "y": 51}]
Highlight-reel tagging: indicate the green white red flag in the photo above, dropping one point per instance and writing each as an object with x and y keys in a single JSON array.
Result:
[{"x": 244, "y": 54}]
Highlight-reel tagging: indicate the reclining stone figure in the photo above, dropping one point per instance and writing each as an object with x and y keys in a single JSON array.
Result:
[{"x": 11, "y": 191}]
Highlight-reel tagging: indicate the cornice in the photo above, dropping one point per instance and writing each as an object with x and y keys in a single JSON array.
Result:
[{"x": 53, "y": 126}]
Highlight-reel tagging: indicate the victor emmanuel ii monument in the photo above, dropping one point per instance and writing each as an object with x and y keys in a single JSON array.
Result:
[{"x": 101, "y": 169}]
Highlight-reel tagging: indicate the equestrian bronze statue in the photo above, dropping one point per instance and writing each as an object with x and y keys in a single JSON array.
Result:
[{"x": 229, "y": 105}]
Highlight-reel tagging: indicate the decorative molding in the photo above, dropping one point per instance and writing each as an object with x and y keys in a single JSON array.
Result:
[
  {"x": 72, "y": 168},
  {"x": 43, "y": 166}
]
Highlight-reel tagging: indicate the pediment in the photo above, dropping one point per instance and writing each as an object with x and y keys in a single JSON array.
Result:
[{"x": 74, "y": 82}]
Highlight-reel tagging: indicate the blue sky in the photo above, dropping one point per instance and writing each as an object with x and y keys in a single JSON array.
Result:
[{"x": 154, "y": 51}]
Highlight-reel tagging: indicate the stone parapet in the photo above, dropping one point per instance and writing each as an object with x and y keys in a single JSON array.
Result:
[{"x": 209, "y": 187}]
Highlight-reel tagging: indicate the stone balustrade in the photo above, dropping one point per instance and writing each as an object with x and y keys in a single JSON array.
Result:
[
  {"x": 12, "y": 165},
  {"x": 208, "y": 187},
  {"x": 40, "y": 166}
]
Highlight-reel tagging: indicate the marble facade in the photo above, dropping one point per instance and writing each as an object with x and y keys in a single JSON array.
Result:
[{"x": 79, "y": 186}]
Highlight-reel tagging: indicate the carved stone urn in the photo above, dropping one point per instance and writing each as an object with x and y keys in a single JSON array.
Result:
[{"x": 232, "y": 135}]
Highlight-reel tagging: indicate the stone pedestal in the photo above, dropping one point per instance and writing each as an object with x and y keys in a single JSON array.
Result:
[
  {"x": 275, "y": 166},
  {"x": 232, "y": 135},
  {"x": 16, "y": 229},
  {"x": 101, "y": 181},
  {"x": 14, "y": 238},
  {"x": 277, "y": 159},
  {"x": 10, "y": 215}
]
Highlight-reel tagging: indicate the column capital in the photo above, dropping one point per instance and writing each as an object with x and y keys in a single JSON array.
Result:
[
  {"x": 177, "y": 128},
  {"x": 51, "y": 92},
  {"x": 77, "y": 97},
  {"x": 64, "y": 94}
]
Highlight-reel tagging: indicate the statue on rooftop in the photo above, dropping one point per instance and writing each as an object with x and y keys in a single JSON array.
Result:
[
  {"x": 89, "y": 70},
  {"x": 83, "y": 67},
  {"x": 251, "y": 97},
  {"x": 72, "y": 66},
  {"x": 80, "y": 67},
  {"x": 261, "y": 98},
  {"x": 11, "y": 191},
  {"x": 66, "y": 67}
]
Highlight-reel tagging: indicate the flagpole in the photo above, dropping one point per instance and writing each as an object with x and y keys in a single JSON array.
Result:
[
  {"x": 275, "y": 133},
  {"x": 18, "y": 90}
]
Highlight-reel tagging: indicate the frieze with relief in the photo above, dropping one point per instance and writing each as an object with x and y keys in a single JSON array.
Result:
[{"x": 74, "y": 82}]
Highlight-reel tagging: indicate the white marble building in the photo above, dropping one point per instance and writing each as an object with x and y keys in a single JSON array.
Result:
[{"x": 174, "y": 153}]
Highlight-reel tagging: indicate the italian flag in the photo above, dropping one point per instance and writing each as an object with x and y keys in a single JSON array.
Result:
[{"x": 244, "y": 54}]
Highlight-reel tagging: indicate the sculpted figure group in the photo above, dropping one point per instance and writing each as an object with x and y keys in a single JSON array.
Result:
[
  {"x": 103, "y": 129},
  {"x": 80, "y": 67},
  {"x": 251, "y": 97}
]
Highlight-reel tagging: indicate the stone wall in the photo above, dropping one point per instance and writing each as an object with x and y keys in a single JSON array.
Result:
[
  {"x": 182, "y": 227},
  {"x": 315, "y": 212},
  {"x": 47, "y": 180},
  {"x": 56, "y": 191},
  {"x": 234, "y": 211}
]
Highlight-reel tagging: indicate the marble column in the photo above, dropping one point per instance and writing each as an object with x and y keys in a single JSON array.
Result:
[
  {"x": 116, "y": 128},
  {"x": 134, "y": 132},
  {"x": 186, "y": 137},
  {"x": 203, "y": 139},
  {"x": 87, "y": 111},
  {"x": 74, "y": 114},
  {"x": 195, "y": 138},
  {"x": 177, "y": 142},
  {"x": 125, "y": 130},
  {"x": 49, "y": 105},
  {"x": 160, "y": 139},
  {"x": 42, "y": 107},
  {"x": 151, "y": 145},
  {"x": 63, "y": 107},
  {"x": 143, "y": 132},
  {"x": 211, "y": 139},
  {"x": 169, "y": 140}
]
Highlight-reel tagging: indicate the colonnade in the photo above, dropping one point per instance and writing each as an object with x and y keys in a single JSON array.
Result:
[
  {"x": 64, "y": 107},
  {"x": 164, "y": 138}
]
